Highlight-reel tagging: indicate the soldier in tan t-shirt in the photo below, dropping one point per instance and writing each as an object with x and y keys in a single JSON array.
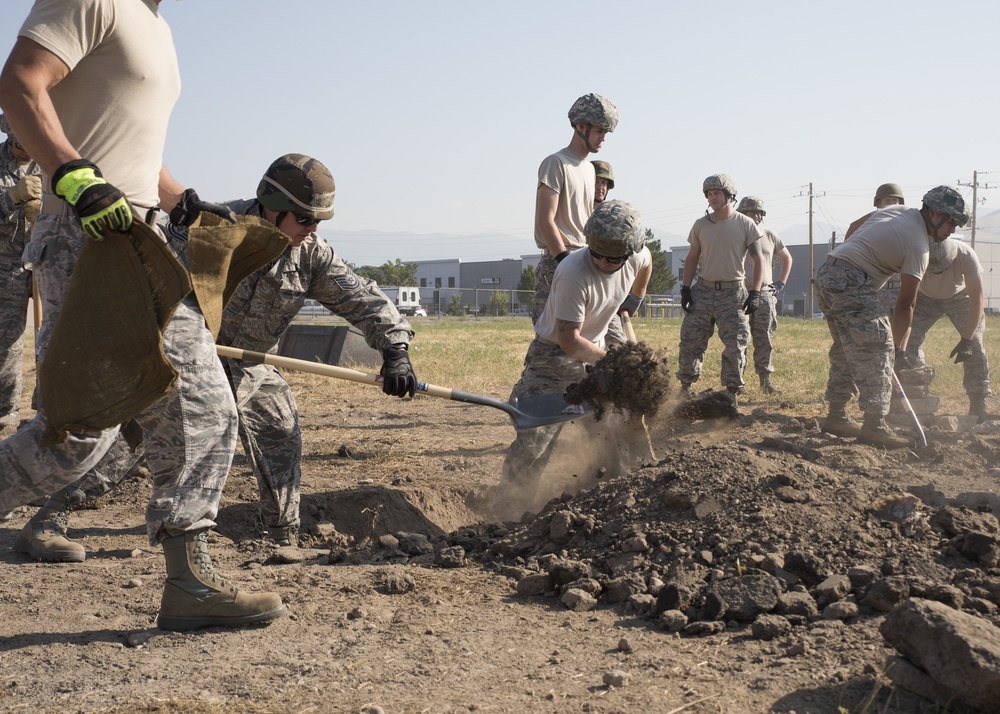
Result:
[
  {"x": 720, "y": 242},
  {"x": 886, "y": 195},
  {"x": 953, "y": 287},
  {"x": 764, "y": 321}
]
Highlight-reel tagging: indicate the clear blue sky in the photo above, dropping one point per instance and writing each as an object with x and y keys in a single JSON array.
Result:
[{"x": 433, "y": 116}]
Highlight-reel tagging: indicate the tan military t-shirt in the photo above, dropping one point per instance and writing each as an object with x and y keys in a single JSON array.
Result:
[
  {"x": 894, "y": 240},
  {"x": 573, "y": 178},
  {"x": 964, "y": 267},
  {"x": 723, "y": 245},
  {"x": 768, "y": 246},
  {"x": 115, "y": 103}
]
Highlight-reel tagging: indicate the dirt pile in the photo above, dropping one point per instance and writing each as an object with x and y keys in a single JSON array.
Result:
[{"x": 754, "y": 533}]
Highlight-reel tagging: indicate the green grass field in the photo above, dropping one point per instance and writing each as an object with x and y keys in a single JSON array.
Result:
[{"x": 485, "y": 356}]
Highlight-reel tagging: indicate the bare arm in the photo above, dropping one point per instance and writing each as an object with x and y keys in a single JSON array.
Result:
[
  {"x": 546, "y": 203},
  {"x": 573, "y": 344},
  {"x": 690, "y": 265},
  {"x": 757, "y": 266},
  {"x": 974, "y": 287},
  {"x": 169, "y": 189},
  {"x": 30, "y": 72},
  {"x": 785, "y": 257},
  {"x": 902, "y": 313}
]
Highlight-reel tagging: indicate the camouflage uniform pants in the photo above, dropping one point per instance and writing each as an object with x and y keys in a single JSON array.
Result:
[
  {"x": 927, "y": 312},
  {"x": 546, "y": 369},
  {"x": 543, "y": 286},
  {"x": 861, "y": 354},
  {"x": 711, "y": 307},
  {"x": 763, "y": 325},
  {"x": 272, "y": 440},
  {"x": 15, "y": 290},
  {"x": 189, "y": 434}
]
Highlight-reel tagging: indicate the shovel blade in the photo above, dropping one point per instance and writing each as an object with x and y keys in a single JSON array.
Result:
[{"x": 550, "y": 408}]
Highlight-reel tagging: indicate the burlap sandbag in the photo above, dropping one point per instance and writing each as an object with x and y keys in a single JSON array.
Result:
[
  {"x": 221, "y": 254},
  {"x": 105, "y": 363}
]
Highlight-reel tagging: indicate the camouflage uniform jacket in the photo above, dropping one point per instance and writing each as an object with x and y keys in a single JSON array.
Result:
[
  {"x": 265, "y": 303},
  {"x": 13, "y": 234}
]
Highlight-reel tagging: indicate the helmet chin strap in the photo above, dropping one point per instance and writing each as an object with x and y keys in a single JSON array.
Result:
[
  {"x": 586, "y": 138},
  {"x": 934, "y": 227}
]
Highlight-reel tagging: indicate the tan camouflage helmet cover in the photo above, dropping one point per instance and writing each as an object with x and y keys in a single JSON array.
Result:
[
  {"x": 945, "y": 199},
  {"x": 722, "y": 182},
  {"x": 615, "y": 229},
  {"x": 298, "y": 184},
  {"x": 595, "y": 110},
  {"x": 751, "y": 203},
  {"x": 888, "y": 190},
  {"x": 603, "y": 170}
]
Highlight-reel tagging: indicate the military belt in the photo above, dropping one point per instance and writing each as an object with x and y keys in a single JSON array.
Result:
[{"x": 720, "y": 284}]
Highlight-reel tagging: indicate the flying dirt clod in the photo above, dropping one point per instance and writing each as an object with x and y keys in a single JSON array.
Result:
[{"x": 630, "y": 378}]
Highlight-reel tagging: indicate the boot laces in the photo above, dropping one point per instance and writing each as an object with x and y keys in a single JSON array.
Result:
[{"x": 204, "y": 560}]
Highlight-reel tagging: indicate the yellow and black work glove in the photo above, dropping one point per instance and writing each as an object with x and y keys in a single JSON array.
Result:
[
  {"x": 101, "y": 207},
  {"x": 187, "y": 209},
  {"x": 398, "y": 379}
]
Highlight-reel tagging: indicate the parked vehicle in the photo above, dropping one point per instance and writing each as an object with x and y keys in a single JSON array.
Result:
[{"x": 407, "y": 299}]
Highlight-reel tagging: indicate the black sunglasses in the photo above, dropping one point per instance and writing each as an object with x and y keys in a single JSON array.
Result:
[
  {"x": 305, "y": 220},
  {"x": 614, "y": 260}
]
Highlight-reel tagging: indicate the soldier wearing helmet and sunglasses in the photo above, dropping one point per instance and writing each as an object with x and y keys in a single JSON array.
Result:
[
  {"x": 713, "y": 290},
  {"x": 295, "y": 194},
  {"x": 867, "y": 345},
  {"x": 588, "y": 289}
]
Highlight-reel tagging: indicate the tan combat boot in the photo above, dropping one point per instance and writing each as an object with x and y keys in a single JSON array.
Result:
[
  {"x": 765, "y": 384},
  {"x": 839, "y": 424},
  {"x": 44, "y": 536},
  {"x": 876, "y": 432},
  {"x": 977, "y": 406},
  {"x": 194, "y": 595}
]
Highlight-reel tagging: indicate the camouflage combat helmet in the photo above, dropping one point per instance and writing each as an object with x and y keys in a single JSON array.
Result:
[
  {"x": 888, "y": 190},
  {"x": 615, "y": 229},
  {"x": 751, "y": 203},
  {"x": 298, "y": 184},
  {"x": 603, "y": 170},
  {"x": 595, "y": 110},
  {"x": 722, "y": 182},
  {"x": 946, "y": 200}
]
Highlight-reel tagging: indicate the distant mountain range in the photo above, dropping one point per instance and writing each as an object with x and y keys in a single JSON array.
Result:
[{"x": 376, "y": 247}]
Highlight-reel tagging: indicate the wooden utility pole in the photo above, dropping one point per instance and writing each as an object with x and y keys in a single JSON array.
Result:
[
  {"x": 812, "y": 268},
  {"x": 975, "y": 202}
]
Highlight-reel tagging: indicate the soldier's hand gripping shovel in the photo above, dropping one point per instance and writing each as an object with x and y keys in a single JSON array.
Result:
[
  {"x": 534, "y": 411},
  {"x": 906, "y": 403}
]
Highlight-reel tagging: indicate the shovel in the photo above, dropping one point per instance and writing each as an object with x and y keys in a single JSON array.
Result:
[
  {"x": 541, "y": 410},
  {"x": 906, "y": 403}
]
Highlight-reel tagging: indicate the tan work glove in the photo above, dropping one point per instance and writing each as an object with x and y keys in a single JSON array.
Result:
[
  {"x": 27, "y": 189},
  {"x": 31, "y": 209}
]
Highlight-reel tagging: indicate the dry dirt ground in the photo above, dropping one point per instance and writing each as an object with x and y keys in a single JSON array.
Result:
[{"x": 382, "y": 620}]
